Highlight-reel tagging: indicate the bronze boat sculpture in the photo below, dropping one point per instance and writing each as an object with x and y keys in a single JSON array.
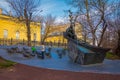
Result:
[{"x": 82, "y": 52}]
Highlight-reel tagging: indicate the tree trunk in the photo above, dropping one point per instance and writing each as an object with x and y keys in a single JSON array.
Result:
[
  {"x": 43, "y": 40},
  {"x": 117, "y": 51},
  {"x": 85, "y": 37},
  {"x": 28, "y": 33},
  {"x": 93, "y": 37},
  {"x": 89, "y": 22},
  {"x": 27, "y": 20},
  {"x": 46, "y": 33},
  {"x": 102, "y": 35}
]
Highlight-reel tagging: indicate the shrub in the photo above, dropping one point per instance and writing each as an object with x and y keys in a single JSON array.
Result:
[{"x": 112, "y": 56}]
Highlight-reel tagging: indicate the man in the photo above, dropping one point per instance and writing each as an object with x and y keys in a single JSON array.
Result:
[
  {"x": 43, "y": 50},
  {"x": 71, "y": 33}
]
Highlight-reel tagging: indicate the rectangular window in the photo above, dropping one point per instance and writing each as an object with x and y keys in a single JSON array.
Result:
[
  {"x": 5, "y": 35},
  {"x": 17, "y": 35}
]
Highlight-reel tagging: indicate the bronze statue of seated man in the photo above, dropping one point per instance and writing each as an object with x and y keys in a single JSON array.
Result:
[{"x": 71, "y": 33}]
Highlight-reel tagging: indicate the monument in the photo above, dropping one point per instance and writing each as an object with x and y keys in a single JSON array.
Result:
[{"x": 81, "y": 52}]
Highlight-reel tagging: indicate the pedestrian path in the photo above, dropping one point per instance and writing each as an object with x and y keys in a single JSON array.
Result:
[{"x": 108, "y": 66}]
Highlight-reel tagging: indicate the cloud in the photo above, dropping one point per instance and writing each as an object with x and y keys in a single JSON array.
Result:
[
  {"x": 62, "y": 20},
  {"x": 4, "y": 5}
]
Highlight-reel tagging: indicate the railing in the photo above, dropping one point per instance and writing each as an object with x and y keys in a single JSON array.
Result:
[{"x": 33, "y": 43}]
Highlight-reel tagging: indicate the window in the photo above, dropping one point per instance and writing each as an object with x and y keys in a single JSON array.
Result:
[
  {"x": 17, "y": 35},
  {"x": 5, "y": 33},
  {"x": 35, "y": 36}
]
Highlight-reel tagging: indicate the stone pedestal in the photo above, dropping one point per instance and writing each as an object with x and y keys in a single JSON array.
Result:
[{"x": 83, "y": 53}]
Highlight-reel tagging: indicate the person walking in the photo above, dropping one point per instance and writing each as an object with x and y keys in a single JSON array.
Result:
[{"x": 42, "y": 50}]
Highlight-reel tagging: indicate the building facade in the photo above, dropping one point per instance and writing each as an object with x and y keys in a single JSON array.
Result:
[
  {"x": 12, "y": 28},
  {"x": 56, "y": 33}
]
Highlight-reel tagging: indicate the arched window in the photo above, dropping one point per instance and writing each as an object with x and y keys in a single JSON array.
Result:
[
  {"x": 17, "y": 35},
  {"x": 5, "y": 35}
]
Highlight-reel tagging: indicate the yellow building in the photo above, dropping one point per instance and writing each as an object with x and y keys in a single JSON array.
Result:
[
  {"x": 56, "y": 33},
  {"x": 10, "y": 27}
]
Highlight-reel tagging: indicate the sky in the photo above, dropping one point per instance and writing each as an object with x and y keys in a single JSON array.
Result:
[{"x": 54, "y": 7}]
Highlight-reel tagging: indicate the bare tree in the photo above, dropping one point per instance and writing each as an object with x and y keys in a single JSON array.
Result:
[
  {"x": 49, "y": 23},
  {"x": 95, "y": 17},
  {"x": 114, "y": 24},
  {"x": 117, "y": 26},
  {"x": 24, "y": 10}
]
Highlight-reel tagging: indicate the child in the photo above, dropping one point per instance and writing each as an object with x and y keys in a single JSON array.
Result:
[{"x": 33, "y": 49}]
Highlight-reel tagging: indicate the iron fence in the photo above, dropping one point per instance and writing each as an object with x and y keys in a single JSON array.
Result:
[{"x": 33, "y": 43}]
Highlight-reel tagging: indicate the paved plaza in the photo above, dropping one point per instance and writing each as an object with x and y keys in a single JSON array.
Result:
[{"x": 64, "y": 63}]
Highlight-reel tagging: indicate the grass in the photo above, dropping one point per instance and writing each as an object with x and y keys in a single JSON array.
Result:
[
  {"x": 6, "y": 63},
  {"x": 112, "y": 56}
]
